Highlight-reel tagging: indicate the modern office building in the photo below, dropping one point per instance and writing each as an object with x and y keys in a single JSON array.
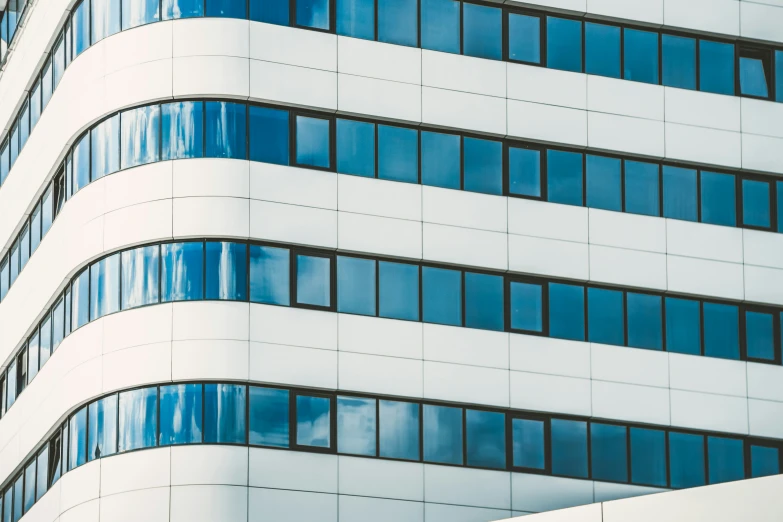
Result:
[{"x": 386, "y": 260}]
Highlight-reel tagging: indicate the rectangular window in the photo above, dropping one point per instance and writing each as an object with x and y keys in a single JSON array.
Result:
[
  {"x": 268, "y": 129},
  {"x": 182, "y": 9},
  {"x": 642, "y": 188},
  {"x": 313, "y": 421},
  {"x": 182, "y": 271},
  {"x": 313, "y": 14},
  {"x": 24, "y": 125},
  {"x": 683, "y": 326},
  {"x": 645, "y": 325},
  {"x": 56, "y": 456},
  {"x": 270, "y": 277},
  {"x": 563, "y": 44},
  {"x": 440, "y": 25},
  {"x": 567, "y": 311},
  {"x": 226, "y": 8},
  {"x": 482, "y": 31},
  {"x": 756, "y": 203},
  {"x": 312, "y": 141},
  {"x": 648, "y": 457},
  {"x": 13, "y": 260},
  {"x": 686, "y": 460},
  {"x": 29, "y": 486},
  {"x": 4, "y": 277},
  {"x": 140, "y": 276},
  {"x": 81, "y": 164},
  {"x": 14, "y": 143},
  {"x": 33, "y": 352},
  {"x": 313, "y": 280},
  {"x": 42, "y": 473},
  {"x": 398, "y": 291},
  {"x": 398, "y": 154},
  {"x": 564, "y": 177},
  {"x": 81, "y": 28},
  {"x": 442, "y": 296},
  {"x": 181, "y": 407},
  {"x": 484, "y": 302},
  {"x": 485, "y": 438},
  {"x": 356, "y": 148},
  {"x": 269, "y": 417},
  {"x": 759, "y": 335},
  {"x": 24, "y": 247},
  {"x": 140, "y": 136},
  {"x": 8, "y": 505},
  {"x": 35, "y": 228},
  {"x": 779, "y": 75},
  {"x": 226, "y": 276},
  {"x": 721, "y": 331},
  {"x": 224, "y": 413},
  {"x": 182, "y": 130},
  {"x": 640, "y": 51},
  {"x": 754, "y": 72},
  {"x": 779, "y": 191},
  {"x": 47, "y": 87},
  {"x": 139, "y": 12},
  {"x": 443, "y": 434},
  {"x": 356, "y": 18},
  {"x": 102, "y": 424},
  {"x": 47, "y": 211},
  {"x": 764, "y": 461},
  {"x": 440, "y": 159},
  {"x": 105, "y": 19},
  {"x": 59, "y": 58},
  {"x": 5, "y": 160},
  {"x": 225, "y": 129},
  {"x": 679, "y": 194},
  {"x": 716, "y": 67},
  {"x": 604, "y": 183},
  {"x": 524, "y": 38},
  {"x": 605, "y": 317},
  {"x": 725, "y": 459},
  {"x": 59, "y": 319},
  {"x": 105, "y": 287},
  {"x": 602, "y": 50},
  {"x": 12, "y": 384},
  {"x": 77, "y": 437},
  {"x": 524, "y": 172},
  {"x": 569, "y": 448},
  {"x": 398, "y": 22},
  {"x": 398, "y": 430},
  {"x": 35, "y": 104},
  {"x": 356, "y": 426},
  {"x": 138, "y": 419},
  {"x": 529, "y": 443},
  {"x": 355, "y": 286},
  {"x": 718, "y": 200},
  {"x": 80, "y": 296},
  {"x": 609, "y": 452},
  {"x": 18, "y": 496},
  {"x": 270, "y": 11},
  {"x": 45, "y": 336},
  {"x": 483, "y": 166},
  {"x": 527, "y": 307},
  {"x": 679, "y": 61}
]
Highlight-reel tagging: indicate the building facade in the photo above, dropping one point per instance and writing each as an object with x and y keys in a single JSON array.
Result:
[{"x": 389, "y": 260}]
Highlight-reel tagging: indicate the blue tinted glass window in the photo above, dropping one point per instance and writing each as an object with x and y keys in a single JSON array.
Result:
[
  {"x": 442, "y": 434},
  {"x": 398, "y": 290},
  {"x": 46, "y": 84},
  {"x": 4, "y": 275},
  {"x": 12, "y": 384},
  {"x": 564, "y": 44},
  {"x": 440, "y": 159},
  {"x": 753, "y": 77},
  {"x": 679, "y": 61},
  {"x": 686, "y": 460},
  {"x": 779, "y": 75},
  {"x": 398, "y": 22},
  {"x": 524, "y": 172},
  {"x": 24, "y": 125},
  {"x": 140, "y": 136},
  {"x": 105, "y": 287},
  {"x": 81, "y": 163},
  {"x": 528, "y": 443},
  {"x": 569, "y": 448},
  {"x": 226, "y": 276},
  {"x": 759, "y": 335},
  {"x": 641, "y": 188},
  {"x": 482, "y": 31},
  {"x": 269, "y": 422},
  {"x": 270, "y": 11},
  {"x": 527, "y": 307},
  {"x": 398, "y": 430},
  {"x": 483, "y": 301},
  {"x": 105, "y": 18},
  {"x": 648, "y": 457},
  {"x": 18, "y": 493},
  {"x": 716, "y": 67},
  {"x": 102, "y": 435},
  {"x": 14, "y": 143},
  {"x": 182, "y": 271},
  {"x": 718, "y": 201},
  {"x": 764, "y": 461},
  {"x": 442, "y": 295},
  {"x": 42, "y": 473},
  {"x": 483, "y": 162},
  {"x": 485, "y": 438},
  {"x": 683, "y": 326},
  {"x": 398, "y": 154},
  {"x": 440, "y": 25},
  {"x": 356, "y": 426},
  {"x": 224, "y": 413},
  {"x": 640, "y": 56},
  {"x": 679, "y": 194},
  {"x": 564, "y": 177},
  {"x": 140, "y": 268},
  {"x": 29, "y": 490},
  {"x": 139, "y": 12},
  {"x": 182, "y": 130},
  {"x": 355, "y": 286},
  {"x": 182, "y": 8},
  {"x": 80, "y": 21},
  {"x": 313, "y": 13},
  {"x": 138, "y": 419},
  {"x": 225, "y": 130},
  {"x": 35, "y": 104},
  {"x": 270, "y": 277},
  {"x": 268, "y": 130},
  {"x": 8, "y": 503},
  {"x": 524, "y": 38},
  {"x": 726, "y": 460},
  {"x": 721, "y": 331},
  {"x": 602, "y": 49},
  {"x": 603, "y": 183},
  {"x": 5, "y": 165},
  {"x": 312, "y": 141},
  {"x": 313, "y": 427},
  {"x": 605, "y": 321},
  {"x": 180, "y": 414},
  {"x": 80, "y": 297},
  {"x": 33, "y": 352},
  {"x": 755, "y": 203},
  {"x": 356, "y": 18},
  {"x": 644, "y": 321},
  {"x": 609, "y": 452},
  {"x": 567, "y": 311},
  {"x": 356, "y": 148},
  {"x": 313, "y": 280}
]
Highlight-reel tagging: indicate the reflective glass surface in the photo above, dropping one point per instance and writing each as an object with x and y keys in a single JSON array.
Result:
[
  {"x": 602, "y": 50},
  {"x": 721, "y": 331},
  {"x": 528, "y": 443},
  {"x": 442, "y": 434},
  {"x": 398, "y": 429},
  {"x": 569, "y": 448},
  {"x": 648, "y": 457},
  {"x": 269, "y": 417},
  {"x": 725, "y": 459},
  {"x": 679, "y": 61},
  {"x": 356, "y": 148},
  {"x": 81, "y": 163},
  {"x": 182, "y": 130},
  {"x": 524, "y": 172},
  {"x": 442, "y": 296},
  {"x": 268, "y": 135},
  {"x": 270, "y": 11},
  {"x": 563, "y": 44},
  {"x": 605, "y": 318},
  {"x": 524, "y": 38},
  {"x": 182, "y": 8},
  {"x": 644, "y": 321},
  {"x": 138, "y": 419},
  {"x": 527, "y": 306},
  {"x": 105, "y": 286},
  {"x": 356, "y": 426},
  {"x": 482, "y": 31},
  {"x": 716, "y": 67},
  {"x": 181, "y": 407},
  {"x": 440, "y": 160},
  {"x": 764, "y": 461},
  {"x": 102, "y": 435},
  {"x": 77, "y": 437},
  {"x": 313, "y": 275},
  {"x": 181, "y": 271},
  {"x": 640, "y": 56},
  {"x": 224, "y": 413},
  {"x": 270, "y": 275},
  {"x": 312, "y": 142},
  {"x": 313, "y": 13},
  {"x": 483, "y": 165},
  {"x": 440, "y": 25},
  {"x": 686, "y": 460},
  {"x": 139, "y": 136},
  {"x": 564, "y": 177},
  {"x": 139, "y": 12},
  {"x": 398, "y": 22},
  {"x": 485, "y": 438},
  {"x": 484, "y": 301},
  {"x": 609, "y": 457},
  {"x": 753, "y": 77},
  {"x": 226, "y": 276},
  {"x": 398, "y": 293},
  {"x": 567, "y": 311},
  {"x": 313, "y": 425},
  {"x": 759, "y": 335},
  {"x": 80, "y": 299},
  {"x": 356, "y": 18},
  {"x": 105, "y": 18},
  {"x": 680, "y": 194},
  {"x": 105, "y": 148},
  {"x": 604, "y": 183},
  {"x": 641, "y": 188},
  {"x": 225, "y": 129},
  {"x": 683, "y": 326},
  {"x": 779, "y": 75},
  {"x": 718, "y": 200},
  {"x": 140, "y": 276},
  {"x": 755, "y": 203},
  {"x": 398, "y": 154},
  {"x": 80, "y": 21},
  {"x": 355, "y": 286}
]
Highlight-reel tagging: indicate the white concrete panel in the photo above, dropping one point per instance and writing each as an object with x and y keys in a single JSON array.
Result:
[
  {"x": 649, "y": 11},
  {"x": 378, "y": 197},
  {"x": 465, "y": 346},
  {"x": 465, "y": 246},
  {"x": 623, "y": 97},
  {"x": 703, "y": 145},
  {"x": 360, "y": 509},
  {"x": 380, "y": 60},
  {"x": 623, "y": 230},
  {"x": 138, "y": 470},
  {"x": 463, "y": 73},
  {"x": 80, "y": 485},
  {"x": 210, "y": 177},
  {"x": 762, "y": 153},
  {"x": 292, "y": 185},
  {"x": 395, "y": 100},
  {"x": 208, "y": 464},
  {"x": 451, "y": 513},
  {"x": 208, "y": 503},
  {"x": 148, "y": 43},
  {"x": 606, "y": 491},
  {"x": 150, "y": 505},
  {"x": 293, "y": 224},
  {"x": 697, "y": 411},
  {"x": 763, "y": 22},
  {"x": 534, "y": 255},
  {"x": 548, "y": 220},
  {"x": 377, "y": 374},
  {"x": 140, "y": 184},
  {"x": 529, "y": 353},
  {"x": 207, "y": 75},
  {"x": 47, "y": 508},
  {"x": 87, "y": 512},
  {"x": 471, "y": 384},
  {"x": 287, "y": 45},
  {"x": 381, "y": 478},
  {"x": 621, "y": 402},
  {"x": 379, "y": 336},
  {"x": 379, "y": 235},
  {"x": 547, "y": 86},
  {"x": 716, "y": 16},
  {"x": 762, "y": 248},
  {"x": 204, "y": 37},
  {"x": 762, "y": 117},
  {"x": 765, "y": 381},
  {"x": 214, "y": 216},
  {"x": 467, "y": 487},
  {"x": 547, "y": 123},
  {"x": 625, "y": 134},
  {"x": 765, "y": 418},
  {"x": 210, "y": 320},
  {"x": 551, "y": 393},
  {"x": 703, "y": 277},
  {"x": 138, "y": 223},
  {"x": 478, "y": 113},
  {"x": 537, "y": 493},
  {"x": 627, "y": 267},
  {"x": 764, "y": 285},
  {"x": 685, "y": 238},
  {"x": 629, "y": 365},
  {"x": 292, "y": 365},
  {"x": 276, "y": 505},
  {"x": 703, "y": 109},
  {"x": 146, "y": 364},
  {"x": 464, "y": 209},
  {"x": 217, "y": 359},
  {"x": 708, "y": 375},
  {"x": 153, "y": 80},
  {"x": 282, "y": 325},
  {"x": 136, "y": 327},
  {"x": 277, "y": 469},
  {"x": 289, "y": 84}
]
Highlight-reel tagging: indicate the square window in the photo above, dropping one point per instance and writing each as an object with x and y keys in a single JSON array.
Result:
[
  {"x": 602, "y": 50},
  {"x": 440, "y": 160},
  {"x": 648, "y": 457},
  {"x": 764, "y": 461},
  {"x": 356, "y": 148},
  {"x": 726, "y": 459},
  {"x": 644, "y": 321},
  {"x": 268, "y": 417},
  {"x": 485, "y": 439},
  {"x": 398, "y": 22},
  {"x": 679, "y": 61},
  {"x": 524, "y": 38},
  {"x": 442, "y": 295},
  {"x": 357, "y": 425},
  {"x": 569, "y": 448},
  {"x": 398, "y": 430},
  {"x": 355, "y": 286},
  {"x": 313, "y": 13},
  {"x": 440, "y": 25},
  {"x": 313, "y": 421},
  {"x": 605, "y": 317},
  {"x": 483, "y": 164},
  {"x": 398, "y": 292},
  {"x": 356, "y": 18},
  {"x": 224, "y": 413},
  {"x": 686, "y": 460},
  {"x": 484, "y": 301},
  {"x": 443, "y": 434},
  {"x": 642, "y": 181},
  {"x": 270, "y": 269},
  {"x": 313, "y": 280},
  {"x": 268, "y": 135}
]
